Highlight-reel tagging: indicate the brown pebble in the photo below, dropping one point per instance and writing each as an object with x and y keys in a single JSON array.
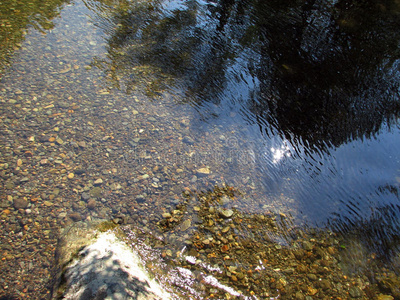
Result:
[
  {"x": 75, "y": 216},
  {"x": 28, "y": 154},
  {"x": 91, "y": 204},
  {"x": 301, "y": 268},
  {"x": 20, "y": 203}
]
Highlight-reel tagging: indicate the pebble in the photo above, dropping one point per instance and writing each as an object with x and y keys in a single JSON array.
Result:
[
  {"x": 206, "y": 241},
  {"x": 82, "y": 144},
  {"x": 140, "y": 199},
  {"x": 9, "y": 185},
  {"x": 75, "y": 216},
  {"x": 98, "y": 182},
  {"x": 299, "y": 296},
  {"x": 80, "y": 171},
  {"x": 85, "y": 196},
  {"x": 71, "y": 175},
  {"x": 312, "y": 277},
  {"x": 355, "y": 292},
  {"x": 325, "y": 284},
  {"x": 19, "y": 162},
  {"x": 307, "y": 245},
  {"x": 186, "y": 225},
  {"x": 188, "y": 140},
  {"x": 224, "y": 200},
  {"x": 385, "y": 297},
  {"x": 115, "y": 186},
  {"x": 95, "y": 192},
  {"x": 20, "y": 203},
  {"x": 203, "y": 171},
  {"x": 91, "y": 204},
  {"x": 226, "y": 213},
  {"x": 225, "y": 229}
]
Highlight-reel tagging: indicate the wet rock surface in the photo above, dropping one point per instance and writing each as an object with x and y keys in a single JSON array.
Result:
[{"x": 96, "y": 264}]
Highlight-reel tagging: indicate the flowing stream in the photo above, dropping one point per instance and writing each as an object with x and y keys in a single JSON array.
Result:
[{"x": 230, "y": 124}]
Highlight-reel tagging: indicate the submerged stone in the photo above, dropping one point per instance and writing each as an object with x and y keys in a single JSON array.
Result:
[
  {"x": 95, "y": 192},
  {"x": 20, "y": 203},
  {"x": 226, "y": 213},
  {"x": 186, "y": 225},
  {"x": 203, "y": 171}
]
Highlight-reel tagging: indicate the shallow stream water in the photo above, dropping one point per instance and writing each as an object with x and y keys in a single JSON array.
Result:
[{"x": 178, "y": 117}]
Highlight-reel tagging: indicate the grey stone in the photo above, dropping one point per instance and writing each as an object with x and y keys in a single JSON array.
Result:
[
  {"x": 85, "y": 196},
  {"x": 226, "y": 213},
  {"x": 307, "y": 245},
  {"x": 95, "y": 192},
  {"x": 188, "y": 140},
  {"x": 140, "y": 199},
  {"x": 355, "y": 292},
  {"x": 9, "y": 185},
  {"x": 24, "y": 179},
  {"x": 186, "y": 225}
]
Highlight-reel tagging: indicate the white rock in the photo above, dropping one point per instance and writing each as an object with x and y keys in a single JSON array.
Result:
[{"x": 109, "y": 262}]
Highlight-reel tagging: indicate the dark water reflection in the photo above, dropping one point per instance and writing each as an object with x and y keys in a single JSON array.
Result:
[
  {"x": 314, "y": 83},
  {"x": 19, "y": 16}
]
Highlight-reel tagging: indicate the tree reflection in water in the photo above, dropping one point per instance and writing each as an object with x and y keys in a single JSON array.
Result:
[
  {"x": 323, "y": 72},
  {"x": 320, "y": 74}
]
